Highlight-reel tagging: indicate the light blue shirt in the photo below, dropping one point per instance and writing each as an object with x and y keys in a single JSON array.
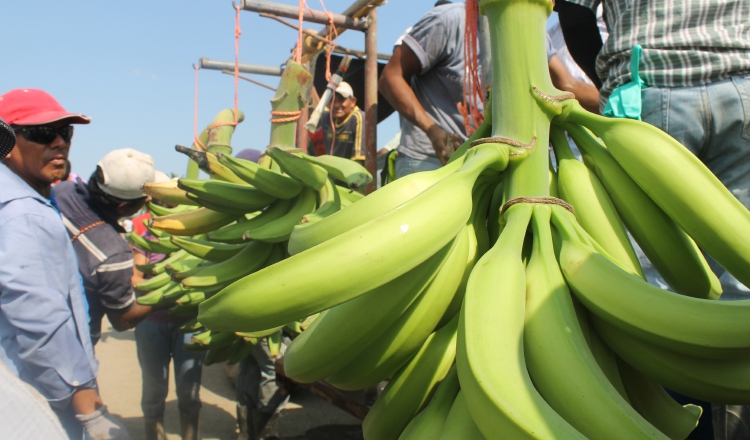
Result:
[{"x": 44, "y": 335}]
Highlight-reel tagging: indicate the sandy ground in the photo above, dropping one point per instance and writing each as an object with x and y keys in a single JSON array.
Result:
[{"x": 305, "y": 417}]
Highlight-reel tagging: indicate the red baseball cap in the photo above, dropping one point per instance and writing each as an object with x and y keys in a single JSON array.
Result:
[{"x": 35, "y": 107}]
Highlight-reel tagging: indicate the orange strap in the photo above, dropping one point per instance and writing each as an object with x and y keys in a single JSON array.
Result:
[{"x": 83, "y": 230}]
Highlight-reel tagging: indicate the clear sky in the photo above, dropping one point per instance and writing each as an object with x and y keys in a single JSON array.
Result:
[{"x": 129, "y": 66}]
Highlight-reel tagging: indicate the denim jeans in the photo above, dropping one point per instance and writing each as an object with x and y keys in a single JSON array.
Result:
[
  {"x": 406, "y": 165},
  {"x": 157, "y": 344},
  {"x": 713, "y": 122}
]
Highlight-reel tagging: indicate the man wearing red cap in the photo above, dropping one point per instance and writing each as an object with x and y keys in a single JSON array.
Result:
[{"x": 44, "y": 334}]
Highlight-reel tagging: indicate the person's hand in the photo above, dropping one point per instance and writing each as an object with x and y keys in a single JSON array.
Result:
[
  {"x": 443, "y": 142},
  {"x": 101, "y": 425}
]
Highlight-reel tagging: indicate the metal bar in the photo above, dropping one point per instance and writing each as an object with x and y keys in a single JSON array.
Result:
[
  {"x": 205, "y": 63},
  {"x": 313, "y": 16},
  {"x": 231, "y": 72},
  {"x": 371, "y": 99},
  {"x": 359, "y": 53}
]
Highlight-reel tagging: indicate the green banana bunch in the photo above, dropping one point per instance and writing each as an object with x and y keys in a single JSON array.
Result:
[
  {"x": 251, "y": 258},
  {"x": 344, "y": 170},
  {"x": 367, "y": 245},
  {"x": 674, "y": 254},
  {"x": 431, "y": 420},
  {"x": 280, "y": 229},
  {"x": 167, "y": 192},
  {"x": 270, "y": 182},
  {"x": 158, "y": 210},
  {"x": 195, "y": 222},
  {"x": 234, "y": 233},
  {"x": 158, "y": 246},
  {"x": 459, "y": 423}
]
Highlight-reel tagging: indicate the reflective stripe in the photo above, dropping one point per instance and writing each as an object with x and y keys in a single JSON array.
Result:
[
  {"x": 91, "y": 247},
  {"x": 118, "y": 306},
  {"x": 115, "y": 266}
]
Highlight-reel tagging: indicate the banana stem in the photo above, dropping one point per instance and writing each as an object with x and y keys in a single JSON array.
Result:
[
  {"x": 288, "y": 100},
  {"x": 519, "y": 62}
]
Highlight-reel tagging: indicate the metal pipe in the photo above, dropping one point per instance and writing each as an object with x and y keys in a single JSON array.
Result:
[
  {"x": 205, "y": 63},
  {"x": 313, "y": 16},
  {"x": 231, "y": 72},
  {"x": 359, "y": 53},
  {"x": 371, "y": 99}
]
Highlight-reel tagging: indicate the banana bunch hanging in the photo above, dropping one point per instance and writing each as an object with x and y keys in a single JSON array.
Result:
[
  {"x": 239, "y": 221},
  {"x": 500, "y": 295}
]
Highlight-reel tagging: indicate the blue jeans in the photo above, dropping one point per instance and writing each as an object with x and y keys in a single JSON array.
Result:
[
  {"x": 406, "y": 165},
  {"x": 713, "y": 122},
  {"x": 158, "y": 344}
]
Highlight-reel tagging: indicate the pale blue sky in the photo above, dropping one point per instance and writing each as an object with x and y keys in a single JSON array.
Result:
[{"x": 128, "y": 65}]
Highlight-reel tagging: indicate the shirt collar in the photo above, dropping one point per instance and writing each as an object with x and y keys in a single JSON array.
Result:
[{"x": 14, "y": 187}]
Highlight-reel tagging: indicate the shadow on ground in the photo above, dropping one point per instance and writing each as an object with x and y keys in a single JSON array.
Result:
[{"x": 216, "y": 423}]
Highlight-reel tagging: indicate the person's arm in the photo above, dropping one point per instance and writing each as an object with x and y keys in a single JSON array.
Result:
[
  {"x": 395, "y": 86},
  {"x": 581, "y": 33},
  {"x": 115, "y": 292},
  {"x": 585, "y": 93}
]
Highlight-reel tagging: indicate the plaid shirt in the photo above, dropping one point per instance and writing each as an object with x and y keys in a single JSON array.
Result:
[{"x": 685, "y": 42}]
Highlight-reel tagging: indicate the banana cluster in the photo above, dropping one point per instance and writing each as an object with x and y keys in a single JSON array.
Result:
[{"x": 232, "y": 225}]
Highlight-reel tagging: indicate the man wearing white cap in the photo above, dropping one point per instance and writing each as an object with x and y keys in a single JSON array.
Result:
[
  {"x": 90, "y": 213},
  {"x": 345, "y": 137},
  {"x": 44, "y": 336}
]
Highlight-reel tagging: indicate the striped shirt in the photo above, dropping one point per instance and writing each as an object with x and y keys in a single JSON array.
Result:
[
  {"x": 105, "y": 259},
  {"x": 685, "y": 42}
]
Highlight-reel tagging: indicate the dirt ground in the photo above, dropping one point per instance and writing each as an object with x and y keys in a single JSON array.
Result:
[{"x": 305, "y": 417}]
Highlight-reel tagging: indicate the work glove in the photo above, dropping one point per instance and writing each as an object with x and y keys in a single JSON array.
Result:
[{"x": 101, "y": 425}]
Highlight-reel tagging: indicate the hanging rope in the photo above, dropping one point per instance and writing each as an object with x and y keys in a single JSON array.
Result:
[{"x": 473, "y": 95}]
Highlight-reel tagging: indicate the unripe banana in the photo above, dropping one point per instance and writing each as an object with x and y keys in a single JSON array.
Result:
[
  {"x": 250, "y": 259},
  {"x": 673, "y": 253},
  {"x": 430, "y": 424},
  {"x": 345, "y": 170},
  {"x": 280, "y": 229},
  {"x": 266, "y": 180},
  {"x": 459, "y": 424},
  {"x": 411, "y": 387},
  {"x": 556, "y": 350},
  {"x": 329, "y": 202},
  {"x": 207, "y": 250},
  {"x": 158, "y": 210},
  {"x": 697, "y": 327},
  {"x": 152, "y": 283},
  {"x": 234, "y": 232},
  {"x": 156, "y": 246},
  {"x": 340, "y": 334},
  {"x": 237, "y": 196},
  {"x": 680, "y": 184},
  {"x": 305, "y": 172},
  {"x": 200, "y": 221},
  {"x": 167, "y": 192}
]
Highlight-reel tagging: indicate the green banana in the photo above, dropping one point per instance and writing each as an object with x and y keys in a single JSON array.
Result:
[
  {"x": 490, "y": 357},
  {"x": 712, "y": 380},
  {"x": 158, "y": 210},
  {"x": 411, "y": 387},
  {"x": 280, "y": 229},
  {"x": 240, "y": 197},
  {"x": 167, "y": 192},
  {"x": 430, "y": 424},
  {"x": 207, "y": 250},
  {"x": 191, "y": 326},
  {"x": 152, "y": 283},
  {"x": 379, "y": 360},
  {"x": 248, "y": 260},
  {"x": 329, "y": 202},
  {"x": 191, "y": 297},
  {"x": 680, "y": 184},
  {"x": 307, "y": 173},
  {"x": 157, "y": 246},
  {"x": 219, "y": 171},
  {"x": 459, "y": 424},
  {"x": 200, "y": 221},
  {"x": 240, "y": 350},
  {"x": 348, "y": 195},
  {"x": 378, "y": 203},
  {"x": 156, "y": 296},
  {"x": 340, "y": 334},
  {"x": 594, "y": 211},
  {"x": 674, "y": 254},
  {"x": 697, "y": 327},
  {"x": 345, "y": 170},
  {"x": 274, "y": 344},
  {"x": 299, "y": 291},
  {"x": 271, "y": 182},
  {"x": 210, "y": 339},
  {"x": 157, "y": 268},
  {"x": 556, "y": 350},
  {"x": 653, "y": 402},
  {"x": 237, "y": 211},
  {"x": 233, "y": 233}
]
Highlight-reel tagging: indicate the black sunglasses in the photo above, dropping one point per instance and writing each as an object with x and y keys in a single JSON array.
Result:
[{"x": 43, "y": 134}]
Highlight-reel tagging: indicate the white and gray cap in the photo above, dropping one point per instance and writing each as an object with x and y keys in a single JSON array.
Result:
[{"x": 125, "y": 171}]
